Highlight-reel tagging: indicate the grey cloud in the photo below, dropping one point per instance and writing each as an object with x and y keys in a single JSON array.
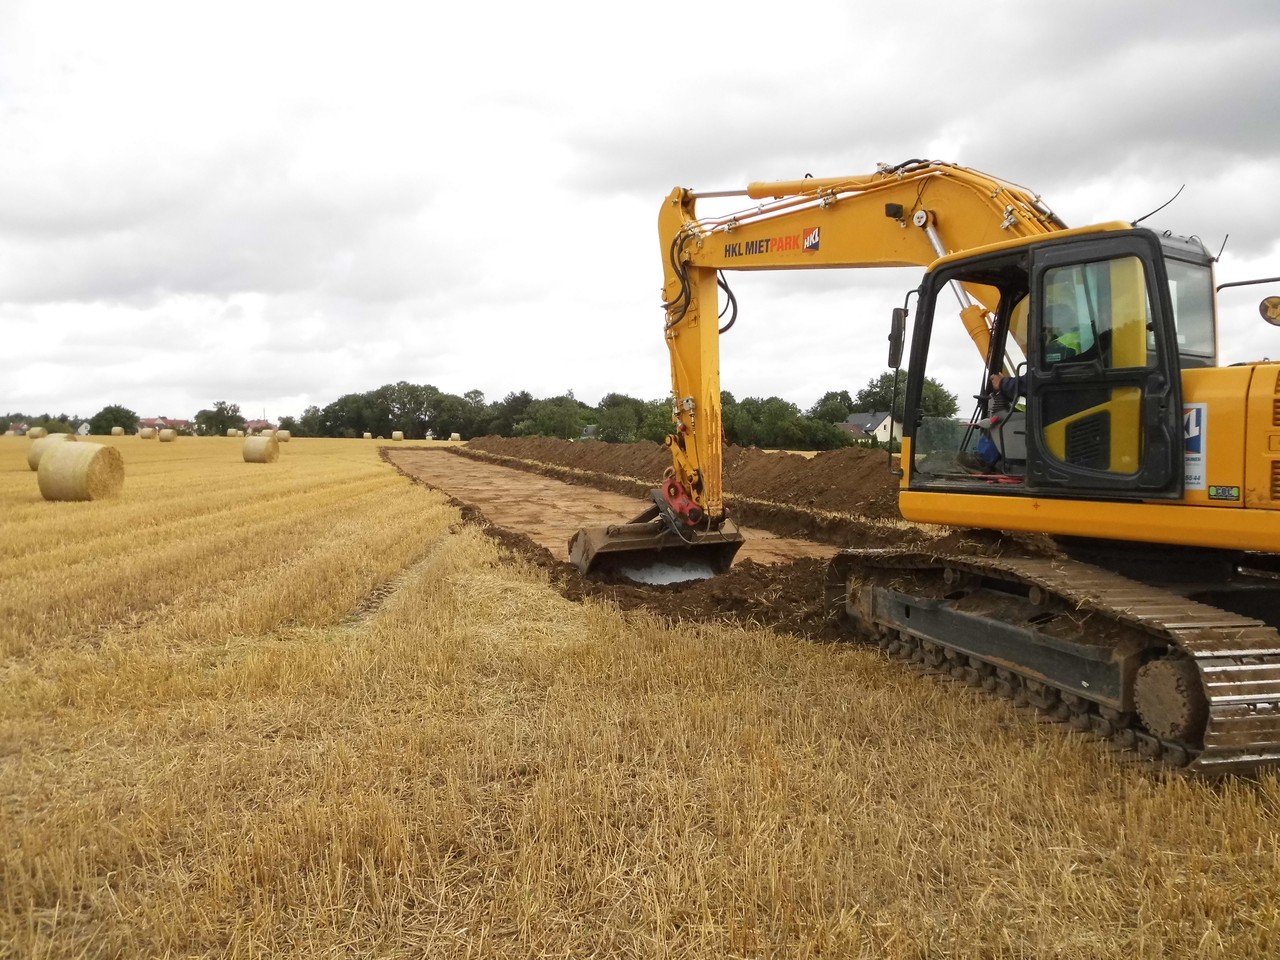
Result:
[{"x": 241, "y": 219}]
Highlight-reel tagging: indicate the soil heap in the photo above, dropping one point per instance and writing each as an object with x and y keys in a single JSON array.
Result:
[{"x": 855, "y": 480}]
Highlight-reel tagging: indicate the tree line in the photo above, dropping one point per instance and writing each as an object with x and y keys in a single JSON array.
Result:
[{"x": 422, "y": 410}]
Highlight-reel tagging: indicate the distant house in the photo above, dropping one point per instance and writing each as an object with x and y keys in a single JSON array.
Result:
[
  {"x": 875, "y": 425},
  {"x": 83, "y": 429},
  {"x": 18, "y": 428},
  {"x": 167, "y": 423},
  {"x": 257, "y": 426}
]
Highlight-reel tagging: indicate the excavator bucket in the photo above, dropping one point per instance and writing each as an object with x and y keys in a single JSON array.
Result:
[{"x": 651, "y": 550}]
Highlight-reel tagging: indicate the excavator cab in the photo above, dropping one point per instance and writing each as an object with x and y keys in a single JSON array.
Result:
[{"x": 1089, "y": 320}]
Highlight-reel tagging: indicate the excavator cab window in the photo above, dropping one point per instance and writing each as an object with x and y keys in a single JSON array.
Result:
[
  {"x": 950, "y": 451},
  {"x": 1085, "y": 328},
  {"x": 1191, "y": 292},
  {"x": 1095, "y": 318}
]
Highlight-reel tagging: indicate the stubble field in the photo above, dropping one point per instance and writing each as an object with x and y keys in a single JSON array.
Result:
[{"x": 304, "y": 709}]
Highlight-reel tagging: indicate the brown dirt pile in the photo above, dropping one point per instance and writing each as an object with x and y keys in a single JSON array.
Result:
[{"x": 850, "y": 481}]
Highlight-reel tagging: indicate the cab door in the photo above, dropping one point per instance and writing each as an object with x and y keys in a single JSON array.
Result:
[{"x": 1103, "y": 390}]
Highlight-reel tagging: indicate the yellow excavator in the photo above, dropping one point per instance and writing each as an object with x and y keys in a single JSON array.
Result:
[{"x": 1104, "y": 421}]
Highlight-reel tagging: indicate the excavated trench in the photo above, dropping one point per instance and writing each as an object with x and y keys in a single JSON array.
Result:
[{"x": 531, "y": 494}]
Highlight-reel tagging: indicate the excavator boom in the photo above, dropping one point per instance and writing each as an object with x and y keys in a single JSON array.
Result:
[{"x": 905, "y": 215}]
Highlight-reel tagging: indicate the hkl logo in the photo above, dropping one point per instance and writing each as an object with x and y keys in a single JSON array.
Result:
[
  {"x": 1193, "y": 428},
  {"x": 812, "y": 238}
]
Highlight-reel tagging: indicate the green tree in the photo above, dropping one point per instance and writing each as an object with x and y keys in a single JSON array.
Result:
[
  {"x": 556, "y": 417},
  {"x": 354, "y": 414},
  {"x": 618, "y": 424},
  {"x": 781, "y": 426},
  {"x": 450, "y": 414},
  {"x": 414, "y": 408},
  {"x": 310, "y": 424},
  {"x": 619, "y": 418},
  {"x": 655, "y": 421},
  {"x": 113, "y": 415},
  {"x": 935, "y": 400},
  {"x": 833, "y": 406},
  {"x": 62, "y": 423},
  {"x": 219, "y": 419},
  {"x": 503, "y": 415},
  {"x": 475, "y": 414}
]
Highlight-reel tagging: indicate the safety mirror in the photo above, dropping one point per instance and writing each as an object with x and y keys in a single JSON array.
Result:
[
  {"x": 897, "y": 330},
  {"x": 1270, "y": 310}
]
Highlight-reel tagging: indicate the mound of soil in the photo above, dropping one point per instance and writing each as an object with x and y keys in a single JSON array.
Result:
[{"x": 854, "y": 480}]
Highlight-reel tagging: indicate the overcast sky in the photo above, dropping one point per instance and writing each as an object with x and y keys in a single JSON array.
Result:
[{"x": 275, "y": 203}]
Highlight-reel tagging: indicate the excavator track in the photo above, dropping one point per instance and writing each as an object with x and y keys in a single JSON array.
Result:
[{"x": 1190, "y": 683}]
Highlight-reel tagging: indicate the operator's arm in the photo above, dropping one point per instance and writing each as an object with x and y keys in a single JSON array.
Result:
[{"x": 1010, "y": 387}]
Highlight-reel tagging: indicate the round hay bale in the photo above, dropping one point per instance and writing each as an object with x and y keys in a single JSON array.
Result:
[
  {"x": 368, "y": 436},
  {"x": 232, "y": 431},
  {"x": 35, "y": 433},
  {"x": 283, "y": 436},
  {"x": 10, "y": 433},
  {"x": 455, "y": 436},
  {"x": 80, "y": 471},
  {"x": 261, "y": 450},
  {"x": 147, "y": 433},
  {"x": 168, "y": 436},
  {"x": 117, "y": 431},
  {"x": 42, "y": 445},
  {"x": 397, "y": 434}
]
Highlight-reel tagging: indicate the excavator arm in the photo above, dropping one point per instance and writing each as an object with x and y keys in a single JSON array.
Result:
[
  {"x": 908, "y": 215},
  {"x": 905, "y": 215}
]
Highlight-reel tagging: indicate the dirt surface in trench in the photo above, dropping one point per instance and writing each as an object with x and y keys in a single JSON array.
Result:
[
  {"x": 549, "y": 511},
  {"x": 849, "y": 494}
]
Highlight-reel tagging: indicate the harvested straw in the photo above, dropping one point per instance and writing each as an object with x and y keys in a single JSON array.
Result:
[
  {"x": 368, "y": 436},
  {"x": 455, "y": 436},
  {"x": 168, "y": 436},
  {"x": 80, "y": 471},
  {"x": 283, "y": 436},
  {"x": 147, "y": 433},
  {"x": 397, "y": 434},
  {"x": 35, "y": 433},
  {"x": 261, "y": 450},
  {"x": 117, "y": 431},
  {"x": 42, "y": 446}
]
